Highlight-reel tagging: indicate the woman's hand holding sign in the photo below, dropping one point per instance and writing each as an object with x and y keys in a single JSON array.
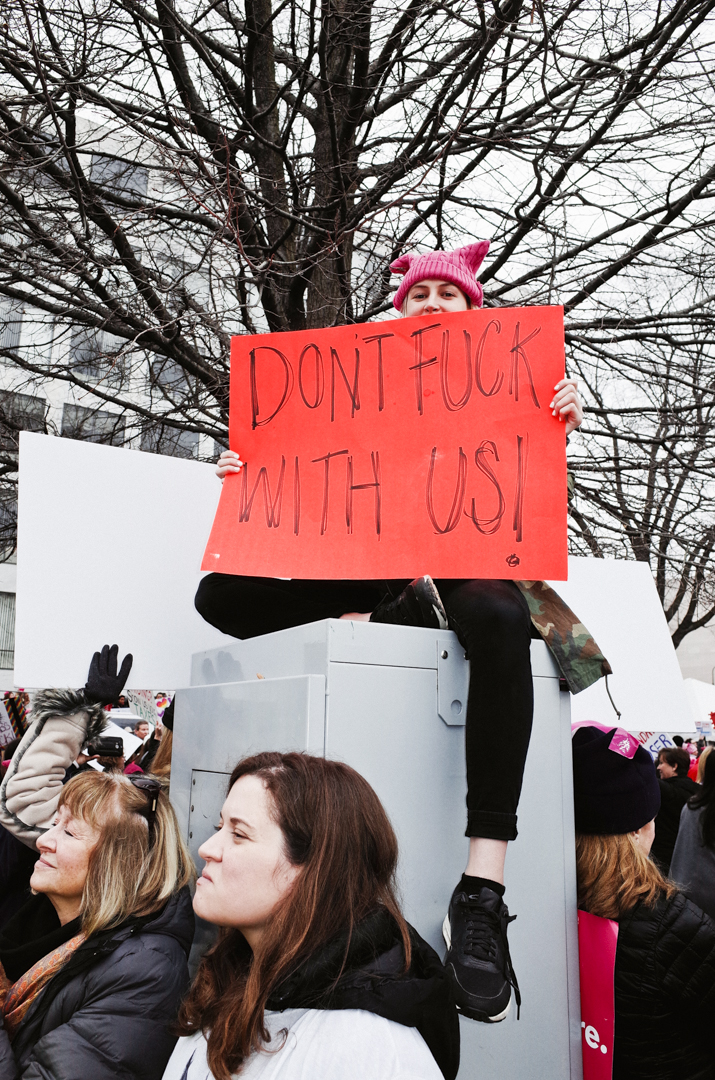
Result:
[
  {"x": 567, "y": 404},
  {"x": 229, "y": 462}
]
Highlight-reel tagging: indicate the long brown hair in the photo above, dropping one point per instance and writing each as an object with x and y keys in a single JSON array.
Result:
[
  {"x": 161, "y": 765},
  {"x": 614, "y": 874},
  {"x": 126, "y": 875},
  {"x": 336, "y": 829}
]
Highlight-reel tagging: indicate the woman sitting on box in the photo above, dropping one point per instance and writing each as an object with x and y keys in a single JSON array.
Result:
[{"x": 494, "y": 621}]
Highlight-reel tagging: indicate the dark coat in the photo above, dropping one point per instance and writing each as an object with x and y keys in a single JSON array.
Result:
[
  {"x": 17, "y": 861},
  {"x": 674, "y": 793},
  {"x": 665, "y": 993},
  {"x": 373, "y": 978},
  {"x": 107, "y": 1013}
]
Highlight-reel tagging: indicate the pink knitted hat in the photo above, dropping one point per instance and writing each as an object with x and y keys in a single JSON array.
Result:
[{"x": 460, "y": 267}]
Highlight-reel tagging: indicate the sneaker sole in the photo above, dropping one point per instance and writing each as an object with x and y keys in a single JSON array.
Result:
[
  {"x": 437, "y": 607},
  {"x": 480, "y": 1017},
  {"x": 443, "y": 624}
]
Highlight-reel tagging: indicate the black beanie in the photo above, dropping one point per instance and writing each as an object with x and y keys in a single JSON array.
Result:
[
  {"x": 168, "y": 717},
  {"x": 612, "y": 794}
]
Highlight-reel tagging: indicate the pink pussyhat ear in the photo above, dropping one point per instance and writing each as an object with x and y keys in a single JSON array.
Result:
[
  {"x": 473, "y": 254},
  {"x": 401, "y": 265}
]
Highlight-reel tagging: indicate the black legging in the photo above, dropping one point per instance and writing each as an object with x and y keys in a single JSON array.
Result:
[{"x": 491, "y": 620}]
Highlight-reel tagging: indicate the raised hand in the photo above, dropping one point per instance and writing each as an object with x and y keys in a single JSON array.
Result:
[{"x": 103, "y": 684}]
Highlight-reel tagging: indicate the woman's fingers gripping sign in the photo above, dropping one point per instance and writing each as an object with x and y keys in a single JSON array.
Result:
[
  {"x": 567, "y": 404},
  {"x": 229, "y": 462}
]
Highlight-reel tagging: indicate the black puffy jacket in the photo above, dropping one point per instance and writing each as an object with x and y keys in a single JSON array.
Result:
[
  {"x": 106, "y": 1014},
  {"x": 665, "y": 993}
]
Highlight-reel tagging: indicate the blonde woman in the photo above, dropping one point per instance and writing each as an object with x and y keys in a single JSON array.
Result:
[
  {"x": 701, "y": 763},
  {"x": 94, "y": 966},
  {"x": 665, "y": 958}
]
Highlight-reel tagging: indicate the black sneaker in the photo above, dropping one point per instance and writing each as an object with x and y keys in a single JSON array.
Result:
[
  {"x": 478, "y": 959},
  {"x": 419, "y": 604}
]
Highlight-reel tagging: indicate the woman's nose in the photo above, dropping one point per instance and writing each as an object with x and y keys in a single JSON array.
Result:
[
  {"x": 47, "y": 841},
  {"x": 210, "y": 850}
]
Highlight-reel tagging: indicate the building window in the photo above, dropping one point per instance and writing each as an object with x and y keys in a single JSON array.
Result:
[
  {"x": 10, "y": 324},
  {"x": 170, "y": 376},
  {"x": 92, "y": 425},
  {"x": 158, "y": 438},
  {"x": 119, "y": 177},
  {"x": 90, "y": 355},
  {"x": 19, "y": 412},
  {"x": 7, "y": 631},
  {"x": 8, "y": 520}
]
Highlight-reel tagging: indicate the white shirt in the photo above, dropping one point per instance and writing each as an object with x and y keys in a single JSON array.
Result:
[{"x": 345, "y": 1044}]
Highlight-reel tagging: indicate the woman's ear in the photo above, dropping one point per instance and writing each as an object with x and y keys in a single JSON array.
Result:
[{"x": 401, "y": 265}]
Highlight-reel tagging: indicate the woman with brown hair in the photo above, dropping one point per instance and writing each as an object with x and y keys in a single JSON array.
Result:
[
  {"x": 664, "y": 978},
  {"x": 315, "y": 971}
]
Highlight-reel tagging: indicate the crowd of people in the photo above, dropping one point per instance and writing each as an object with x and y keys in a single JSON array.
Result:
[
  {"x": 315, "y": 964},
  {"x": 315, "y": 973}
]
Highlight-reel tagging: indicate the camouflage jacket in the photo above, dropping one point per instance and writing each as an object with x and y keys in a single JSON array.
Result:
[{"x": 580, "y": 660}]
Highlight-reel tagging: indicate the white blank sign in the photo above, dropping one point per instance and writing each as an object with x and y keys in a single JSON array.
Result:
[
  {"x": 109, "y": 547},
  {"x": 618, "y": 602},
  {"x": 701, "y": 698}
]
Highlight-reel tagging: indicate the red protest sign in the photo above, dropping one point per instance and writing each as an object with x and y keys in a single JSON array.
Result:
[{"x": 388, "y": 450}]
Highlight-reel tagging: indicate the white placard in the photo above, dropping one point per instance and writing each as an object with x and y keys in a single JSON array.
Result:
[
  {"x": 7, "y": 733},
  {"x": 657, "y": 741},
  {"x": 618, "y": 602},
  {"x": 110, "y": 543}
]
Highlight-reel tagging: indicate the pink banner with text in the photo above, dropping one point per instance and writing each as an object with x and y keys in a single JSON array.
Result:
[{"x": 597, "y": 941}]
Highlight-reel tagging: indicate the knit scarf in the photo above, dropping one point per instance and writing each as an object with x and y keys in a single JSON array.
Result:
[{"x": 16, "y": 998}]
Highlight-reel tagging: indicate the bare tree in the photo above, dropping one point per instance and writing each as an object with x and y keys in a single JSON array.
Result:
[
  {"x": 173, "y": 172},
  {"x": 646, "y": 461}
]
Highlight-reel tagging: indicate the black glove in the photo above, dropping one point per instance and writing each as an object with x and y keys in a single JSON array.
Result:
[{"x": 103, "y": 684}]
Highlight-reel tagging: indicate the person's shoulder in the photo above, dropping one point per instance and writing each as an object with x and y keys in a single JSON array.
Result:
[
  {"x": 672, "y": 922},
  {"x": 690, "y": 816},
  {"x": 353, "y": 1043},
  {"x": 151, "y": 963}
]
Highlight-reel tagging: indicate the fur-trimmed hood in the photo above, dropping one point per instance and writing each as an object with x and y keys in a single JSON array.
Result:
[
  {"x": 63, "y": 721},
  {"x": 68, "y": 703}
]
